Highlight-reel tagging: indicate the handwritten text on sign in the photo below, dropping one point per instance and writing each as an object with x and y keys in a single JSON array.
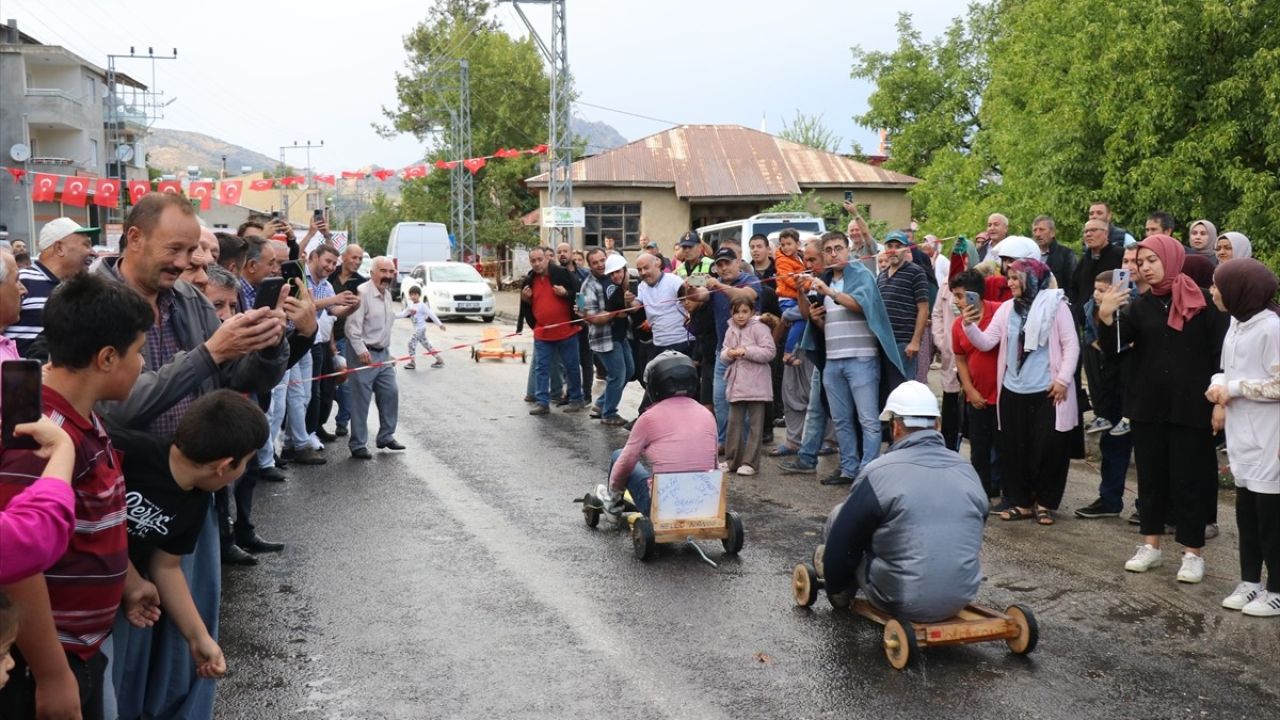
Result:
[{"x": 688, "y": 496}]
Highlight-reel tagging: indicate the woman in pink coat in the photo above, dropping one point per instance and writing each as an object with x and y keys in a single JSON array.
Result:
[
  {"x": 36, "y": 525},
  {"x": 748, "y": 349}
]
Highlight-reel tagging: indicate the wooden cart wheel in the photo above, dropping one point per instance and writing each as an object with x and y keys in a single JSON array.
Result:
[
  {"x": 737, "y": 535},
  {"x": 805, "y": 584},
  {"x": 900, "y": 643},
  {"x": 642, "y": 540},
  {"x": 818, "y": 553},
  {"x": 1028, "y": 629},
  {"x": 590, "y": 510}
]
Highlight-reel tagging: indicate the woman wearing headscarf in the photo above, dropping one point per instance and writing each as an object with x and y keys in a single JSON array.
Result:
[
  {"x": 1233, "y": 246},
  {"x": 1177, "y": 341},
  {"x": 1202, "y": 240},
  {"x": 1199, "y": 269},
  {"x": 1245, "y": 395},
  {"x": 1035, "y": 389}
]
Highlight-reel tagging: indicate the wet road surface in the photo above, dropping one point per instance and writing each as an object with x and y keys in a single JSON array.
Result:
[{"x": 457, "y": 580}]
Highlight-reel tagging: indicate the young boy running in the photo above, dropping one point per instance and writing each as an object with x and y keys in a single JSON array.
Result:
[
  {"x": 421, "y": 312},
  {"x": 95, "y": 330}
]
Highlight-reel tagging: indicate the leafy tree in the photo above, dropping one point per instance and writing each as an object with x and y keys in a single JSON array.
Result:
[
  {"x": 374, "y": 228},
  {"x": 833, "y": 214},
  {"x": 810, "y": 130}
]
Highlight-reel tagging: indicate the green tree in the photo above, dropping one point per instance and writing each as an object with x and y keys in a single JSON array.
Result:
[
  {"x": 810, "y": 130},
  {"x": 375, "y": 224},
  {"x": 833, "y": 214}
]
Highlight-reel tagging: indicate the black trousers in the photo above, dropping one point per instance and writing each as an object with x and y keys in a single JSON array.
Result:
[
  {"x": 1176, "y": 465},
  {"x": 586, "y": 361},
  {"x": 1034, "y": 457},
  {"x": 951, "y": 420},
  {"x": 18, "y": 697},
  {"x": 982, "y": 437},
  {"x": 1258, "y": 518},
  {"x": 243, "y": 489},
  {"x": 318, "y": 406}
]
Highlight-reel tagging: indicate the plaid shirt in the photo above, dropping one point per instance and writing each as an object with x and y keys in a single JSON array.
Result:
[
  {"x": 595, "y": 293},
  {"x": 248, "y": 296},
  {"x": 162, "y": 345}
]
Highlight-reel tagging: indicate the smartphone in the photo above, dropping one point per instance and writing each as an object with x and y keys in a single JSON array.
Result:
[
  {"x": 973, "y": 298},
  {"x": 275, "y": 214},
  {"x": 318, "y": 215},
  {"x": 291, "y": 269},
  {"x": 1121, "y": 277},
  {"x": 699, "y": 280},
  {"x": 848, "y": 196},
  {"x": 269, "y": 292},
  {"x": 20, "y": 401}
]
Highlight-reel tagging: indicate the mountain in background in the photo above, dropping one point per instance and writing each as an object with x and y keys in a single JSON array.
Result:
[
  {"x": 175, "y": 150},
  {"x": 599, "y": 136}
]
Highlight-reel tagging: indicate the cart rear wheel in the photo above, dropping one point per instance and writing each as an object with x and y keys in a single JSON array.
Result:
[
  {"x": 642, "y": 539},
  {"x": 804, "y": 585},
  {"x": 900, "y": 643},
  {"x": 1028, "y": 629},
  {"x": 737, "y": 535},
  {"x": 590, "y": 510}
]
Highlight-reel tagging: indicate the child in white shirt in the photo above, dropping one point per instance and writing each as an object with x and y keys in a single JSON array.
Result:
[{"x": 421, "y": 312}]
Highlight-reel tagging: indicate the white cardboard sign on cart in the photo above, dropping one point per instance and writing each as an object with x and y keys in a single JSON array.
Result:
[{"x": 688, "y": 501}]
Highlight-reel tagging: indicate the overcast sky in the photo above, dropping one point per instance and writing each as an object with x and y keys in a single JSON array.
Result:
[{"x": 246, "y": 71}]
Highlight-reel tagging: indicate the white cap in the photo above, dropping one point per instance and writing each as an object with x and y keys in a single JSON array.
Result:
[
  {"x": 910, "y": 400},
  {"x": 55, "y": 230},
  {"x": 614, "y": 263},
  {"x": 1018, "y": 247}
]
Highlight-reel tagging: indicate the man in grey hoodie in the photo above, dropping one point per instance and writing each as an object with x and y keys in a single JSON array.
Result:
[{"x": 909, "y": 535}]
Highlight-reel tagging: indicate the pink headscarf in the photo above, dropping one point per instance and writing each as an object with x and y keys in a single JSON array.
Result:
[{"x": 1188, "y": 299}]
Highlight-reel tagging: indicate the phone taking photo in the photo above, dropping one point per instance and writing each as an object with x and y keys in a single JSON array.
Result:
[
  {"x": 21, "y": 382},
  {"x": 1122, "y": 278},
  {"x": 269, "y": 293},
  {"x": 291, "y": 270}
]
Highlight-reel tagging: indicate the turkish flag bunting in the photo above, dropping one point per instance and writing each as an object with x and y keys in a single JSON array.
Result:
[
  {"x": 202, "y": 191},
  {"x": 474, "y": 164},
  {"x": 383, "y": 174},
  {"x": 43, "y": 187},
  {"x": 505, "y": 153},
  {"x": 75, "y": 191},
  {"x": 326, "y": 179},
  {"x": 415, "y": 171},
  {"x": 350, "y": 175},
  {"x": 293, "y": 180},
  {"x": 138, "y": 188},
  {"x": 169, "y": 186},
  {"x": 106, "y": 192},
  {"x": 446, "y": 164},
  {"x": 229, "y": 191},
  {"x": 538, "y": 150},
  {"x": 265, "y": 184},
  {"x": 17, "y": 173}
]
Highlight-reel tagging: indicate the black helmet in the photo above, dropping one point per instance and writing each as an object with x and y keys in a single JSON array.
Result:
[{"x": 671, "y": 374}]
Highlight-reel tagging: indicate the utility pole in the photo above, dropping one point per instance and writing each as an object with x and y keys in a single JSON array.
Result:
[
  {"x": 560, "y": 146},
  {"x": 120, "y": 144},
  {"x": 464, "y": 198},
  {"x": 284, "y": 191}
]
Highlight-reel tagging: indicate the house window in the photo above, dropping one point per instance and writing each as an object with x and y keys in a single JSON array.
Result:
[{"x": 618, "y": 220}]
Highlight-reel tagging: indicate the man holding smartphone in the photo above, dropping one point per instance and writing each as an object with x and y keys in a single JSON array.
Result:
[{"x": 346, "y": 278}]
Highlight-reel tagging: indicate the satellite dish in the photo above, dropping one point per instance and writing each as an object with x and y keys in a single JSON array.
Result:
[
  {"x": 124, "y": 153},
  {"x": 20, "y": 152}
]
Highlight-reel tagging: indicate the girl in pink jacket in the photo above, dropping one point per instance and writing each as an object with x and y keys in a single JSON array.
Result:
[
  {"x": 748, "y": 347},
  {"x": 36, "y": 525}
]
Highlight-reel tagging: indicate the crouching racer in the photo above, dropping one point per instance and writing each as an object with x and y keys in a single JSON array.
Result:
[
  {"x": 676, "y": 434},
  {"x": 910, "y": 532}
]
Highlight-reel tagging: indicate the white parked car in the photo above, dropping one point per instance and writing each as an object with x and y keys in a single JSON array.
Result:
[{"x": 452, "y": 289}]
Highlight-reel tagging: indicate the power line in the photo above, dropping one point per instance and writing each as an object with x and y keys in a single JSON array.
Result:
[{"x": 627, "y": 112}]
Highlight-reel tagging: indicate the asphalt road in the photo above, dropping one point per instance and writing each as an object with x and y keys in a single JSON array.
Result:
[{"x": 457, "y": 580}]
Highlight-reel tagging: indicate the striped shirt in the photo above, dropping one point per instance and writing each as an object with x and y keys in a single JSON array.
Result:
[
  {"x": 847, "y": 333},
  {"x": 902, "y": 292},
  {"x": 39, "y": 282},
  {"x": 86, "y": 583}
]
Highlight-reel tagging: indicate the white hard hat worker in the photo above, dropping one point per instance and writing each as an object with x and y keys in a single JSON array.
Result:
[
  {"x": 914, "y": 404},
  {"x": 1017, "y": 247},
  {"x": 614, "y": 263}
]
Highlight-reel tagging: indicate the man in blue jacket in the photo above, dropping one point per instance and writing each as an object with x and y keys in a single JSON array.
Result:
[{"x": 909, "y": 535}]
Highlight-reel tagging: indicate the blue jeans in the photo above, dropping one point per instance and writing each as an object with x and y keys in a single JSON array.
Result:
[
  {"x": 815, "y": 424},
  {"x": 1115, "y": 451},
  {"x": 637, "y": 482},
  {"x": 720, "y": 398},
  {"x": 557, "y": 376},
  {"x": 620, "y": 365},
  {"x": 296, "y": 397},
  {"x": 275, "y": 416},
  {"x": 853, "y": 386},
  {"x": 376, "y": 386},
  {"x": 341, "y": 393},
  {"x": 567, "y": 350}
]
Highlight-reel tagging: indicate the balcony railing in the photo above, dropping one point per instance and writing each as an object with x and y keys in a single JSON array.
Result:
[{"x": 53, "y": 92}]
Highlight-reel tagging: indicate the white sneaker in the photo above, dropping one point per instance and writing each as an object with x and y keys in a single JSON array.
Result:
[
  {"x": 1245, "y": 593},
  {"x": 1146, "y": 558},
  {"x": 746, "y": 470},
  {"x": 724, "y": 466},
  {"x": 1121, "y": 428},
  {"x": 1266, "y": 605},
  {"x": 1192, "y": 570},
  {"x": 314, "y": 443},
  {"x": 1098, "y": 425}
]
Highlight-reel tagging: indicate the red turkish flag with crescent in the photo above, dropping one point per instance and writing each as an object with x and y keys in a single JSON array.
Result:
[
  {"x": 383, "y": 174},
  {"x": 415, "y": 171},
  {"x": 75, "y": 191},
  {"x": 349, "y": 175},
  {"x": 265, "y": 184},
  {"x": 538, "y": 150},
  {"x": 229, "y": 191},
  {"x": 169, "y": 186},
  {"x": 202, "y": 191},
  {"x": 138, "y": 188},
  {"x": 106, "y": 192},
  {"x": 43, "y": 187},
  {"x": 17, "y": 173},
  {"x": 474, "y": 164},
  {"x": 326, "y": 179},
  {"x": 292, "y": 180},
  {"x": 446, "y": 164}
]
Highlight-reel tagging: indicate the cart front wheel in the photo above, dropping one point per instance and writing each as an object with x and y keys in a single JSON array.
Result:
[
  {"x": 900, "y": 643},
  {"x": 1028, "y": 629},
  {"x": 642, "y": 539},
  {"x": 737, "y": 535},
  {"x": 804, "y": 585}
]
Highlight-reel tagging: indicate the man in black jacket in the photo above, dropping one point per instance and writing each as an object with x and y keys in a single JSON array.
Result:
[
  {"x": 1059, "y": 258},
  {"x": 1117, "y": 236},
  {"x": 1098, "y": 255}
]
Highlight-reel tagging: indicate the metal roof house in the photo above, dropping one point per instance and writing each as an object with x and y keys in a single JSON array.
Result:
[{"x": 694, "y": 175}]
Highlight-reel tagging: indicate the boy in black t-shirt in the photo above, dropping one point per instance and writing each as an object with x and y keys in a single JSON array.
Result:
[{"x": 168, "y": 488}]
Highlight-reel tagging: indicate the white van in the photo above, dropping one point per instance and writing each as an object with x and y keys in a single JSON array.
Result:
[
  {"x": 767, "y": 224},
  {"x": 413, "y": 243}
]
